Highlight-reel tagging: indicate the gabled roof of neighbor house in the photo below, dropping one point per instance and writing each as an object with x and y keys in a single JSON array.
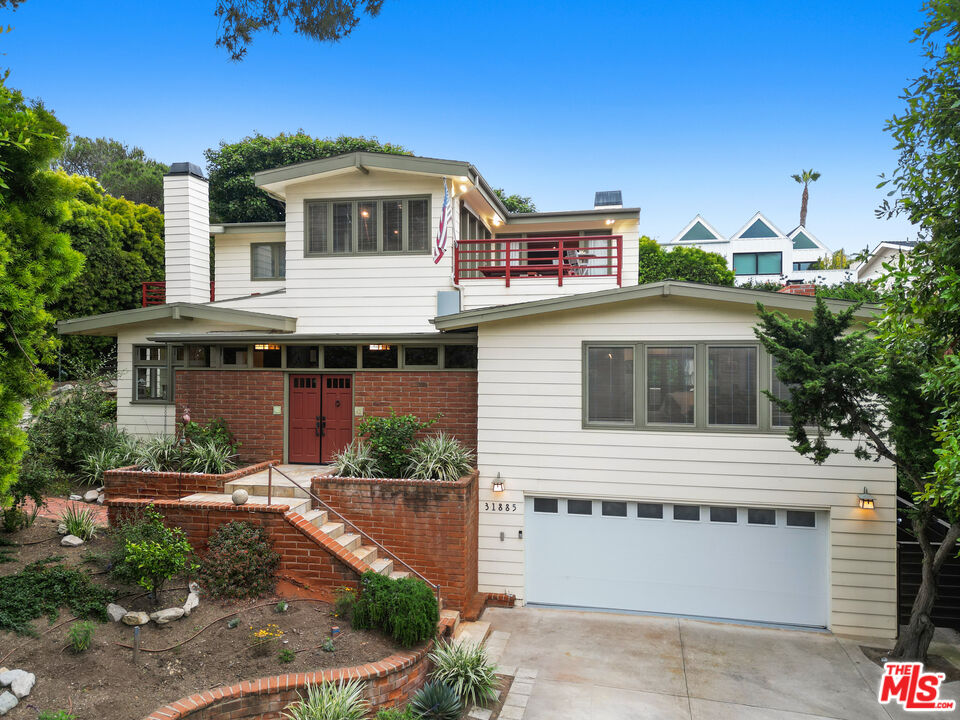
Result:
[
  {"x": 275, "y": 180},
  {"x": 674, "y": 288},
  {"x": 758, "y": 227},
  {"x": 900, "y": 246},
  {"x": 803, "y": 239},
  {"x": 698, "y": 230},
  {"x": 105, "y": 323}
]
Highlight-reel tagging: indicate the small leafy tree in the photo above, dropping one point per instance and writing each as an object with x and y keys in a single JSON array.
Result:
[
  {"x": 157, "y": 555},
  {"x": 516, "y": 203},
  {"x": 682, "y": 263}
]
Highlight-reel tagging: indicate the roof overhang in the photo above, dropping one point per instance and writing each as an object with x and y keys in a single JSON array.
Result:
[
  {"x": 247, "y": 228},
  {"x": 308, "y": 338},
  {"x": 669, "y": 288},
  {"x": 108, "y": 323},
  {"x": 596, "y": 215}
]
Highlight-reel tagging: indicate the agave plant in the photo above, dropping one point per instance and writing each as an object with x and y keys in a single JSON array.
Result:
[
  {"x": 440, "y": 457},
  {"x": 330, "y": 701},
  {"x": 356, "y": 460},
  {"x": 436, "y": 701},
  {"x": 467, "y": 670},
  {"x": 209, "y": 457}
]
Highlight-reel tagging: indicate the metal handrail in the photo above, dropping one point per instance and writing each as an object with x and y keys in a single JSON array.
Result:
[{"x": 271, "y": 468}]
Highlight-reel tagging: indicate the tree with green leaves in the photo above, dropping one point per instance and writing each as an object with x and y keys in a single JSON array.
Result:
[
  {"x": 516, "y": 203},
  {"x": 690, "y": 264},
  {"x": 122, "y": 171},
  {"x": 233, "y": 195},
  {"x": 36, "y": 261},
  {"x": 837, "y": 260},
  {"x": 805, "y": 177}
]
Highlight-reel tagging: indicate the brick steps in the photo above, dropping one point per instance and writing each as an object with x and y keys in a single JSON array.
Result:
[{"x": 295, "y": 504}]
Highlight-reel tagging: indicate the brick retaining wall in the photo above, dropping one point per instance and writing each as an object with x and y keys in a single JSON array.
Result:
[
  {"x": 131, "y": 482},
  {"x": 389, "y": 683},
  {"x": 431, "y": 525}
]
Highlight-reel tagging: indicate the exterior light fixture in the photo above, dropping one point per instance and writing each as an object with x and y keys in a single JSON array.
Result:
[
  {"x": 609, "y": 221},
  {"x": 266, "y": 347},
  {"x": 463, "y": 188},
  {"x": 866, "y": 500},
  {"x": 379, "y": 347},
  {"x": 498, "y": 484},
  {"x": 497, "y": 222}
]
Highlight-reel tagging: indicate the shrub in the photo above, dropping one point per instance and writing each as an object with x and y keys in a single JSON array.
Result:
[
  {"x": 119, "y": 449},
  {"x": 286, "y": 655},
  {"x": 397, "y": 714},
  {"x": 154, "y": 553},
  {"x": 390, "y": 439},
  {"x": 440, "y": 457},
  {"x": 80, "y": 636},
  {"x": 405, "y": 609},
  {"x": 56, "y": 715},
  {"x": 161, "y": 452},
  {"x": 356, "y": 460},
  {"x": 209, "y": 456},
  {"x": 240, "y": 562},
  {"x": 42, "y": 588},
  {"x": 330, "y": 701},
  {"x": 136, "y": 527},
  {"x": 466, "y": 669},
  {"x": 166, "y": 453},
  {"x": 16, "y": 517},
  {"x": 216, "y": 431},
  {"x": 344, "y": 599},
  {"x": 79, "y": 521},
  {"x": 436, "y": 701}
]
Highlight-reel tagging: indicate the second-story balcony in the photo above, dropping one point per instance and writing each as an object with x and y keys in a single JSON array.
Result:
[
  {"x": 563, "y": 258},
  {"x": 154, "y": 292}
]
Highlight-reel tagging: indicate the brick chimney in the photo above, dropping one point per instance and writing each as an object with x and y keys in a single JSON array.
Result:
[
  {"x": 800, "y": 289},
  {"x": 186, "y": 218}
]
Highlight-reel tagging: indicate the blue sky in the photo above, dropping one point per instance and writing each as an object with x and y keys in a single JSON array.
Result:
[{"x": 685, "y": 106}]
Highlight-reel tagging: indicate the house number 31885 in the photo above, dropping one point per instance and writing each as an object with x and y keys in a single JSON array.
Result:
[{"x": 499, "y": 507}]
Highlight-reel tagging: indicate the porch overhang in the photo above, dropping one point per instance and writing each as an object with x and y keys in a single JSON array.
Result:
[
  {"x": 108, "y": 324},
  {"x": 213, "y": 338}
]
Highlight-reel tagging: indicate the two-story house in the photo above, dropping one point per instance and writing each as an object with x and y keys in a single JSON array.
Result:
[{"x": 628, "y": 457}]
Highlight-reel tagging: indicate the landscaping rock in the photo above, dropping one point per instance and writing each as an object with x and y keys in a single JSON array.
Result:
[
  {"x": 4, "y": 670},
  {"x": 136, "y": 618},
  {"x": 193, "y": 602},
  {"x": 162, "y": 617},
  {"x": 76, "y": 497},
  {"x": 7, "y": 676},
  {"x": 8, "y": 701},
  {"x": 23, "y": 684},
  {"x": 71, "y": 541},
  {"x": 115, "y": 612},
  {"x": 61, "y": 529},
  {"x": 100, "y": 498},
  {"x": 239, "y": 497},
  {"x": 90, "y": 496}
]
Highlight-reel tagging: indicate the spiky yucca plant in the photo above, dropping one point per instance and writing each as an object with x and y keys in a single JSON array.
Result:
[
  {"x": 330, "y": 701},
  {"x": 466, "y": 669},
  {"x": 436, "y": 701},
  {"x": 160, "y": 453},
  {"x": 356, "y": 460},
  {"x": 440, "y": 457},
  {"x": 79, "y": 521},
  {"x": 210, "y": 457}
]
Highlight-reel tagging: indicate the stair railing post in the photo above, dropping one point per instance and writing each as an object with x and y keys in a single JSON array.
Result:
[{"x": 269, "y": 484}]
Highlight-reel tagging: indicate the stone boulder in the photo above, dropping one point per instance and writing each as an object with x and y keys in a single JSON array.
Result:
[
  {"x": 193, "y": 602},
  {"x": 136, "y": 618},
  {"x": 23, "y": 684},
  {"x": 115, "y": 612},
  {"x": 162, "y": 617},
  {"x": 91, "y": 496},
  {"x": 8, "y": 701},
  {"x": 62, "y": 529},
  {"x": 71, "y": 541}
]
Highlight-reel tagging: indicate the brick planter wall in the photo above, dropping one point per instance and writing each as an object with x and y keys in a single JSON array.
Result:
[
  {"x": 424, "y": 394},
  {"x": 431, "y": 525},
  {"x": 131, "y": 482},
  {"x": 245, "y": 399},
  {"x": 391, "y": 682},
  {"x": 306, "y": 555}
]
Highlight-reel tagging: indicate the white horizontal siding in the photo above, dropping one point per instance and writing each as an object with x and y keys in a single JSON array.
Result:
[
  {"x": 530, "y": 431},
  {"x": 232, "y": 266}
]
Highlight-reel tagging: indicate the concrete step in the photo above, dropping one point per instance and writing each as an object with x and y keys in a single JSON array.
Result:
[
  {"x": 351, "y": 541},
  {"x": 299, "y": 505},
  {"x": 317, "y": 518},
  {"x": 397, "y": 574},
  {"x": 366, "y": 553},
  {"x": 471, "y": 632},
  {"x": 333, "y": 529},
  {"x": 382, "y": 566},
  {"x": 258, "y": 485},
  {"x": 454, "y": 616}
]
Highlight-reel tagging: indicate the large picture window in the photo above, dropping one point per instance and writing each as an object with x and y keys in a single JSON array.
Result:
[
  {"x": 367, "y": 226},
  {"x": 758, "y": 263}
]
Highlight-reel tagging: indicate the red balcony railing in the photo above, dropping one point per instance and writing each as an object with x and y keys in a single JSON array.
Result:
[
  {"x": 559, "y": 257},
  {"x": 154, "y": 292}
]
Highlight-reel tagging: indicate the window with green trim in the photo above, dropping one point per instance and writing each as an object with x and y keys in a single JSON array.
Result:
[
  {"x": 758, "y": 263},
  {"x": 152, "y": 374},
  {"x": 367, "y": 226},
  {"x": 268, "y": 261}
]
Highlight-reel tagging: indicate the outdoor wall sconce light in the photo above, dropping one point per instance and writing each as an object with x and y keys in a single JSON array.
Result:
[
  {"x": 498, "y": 484},
  {"x": 866, "y": 500}
]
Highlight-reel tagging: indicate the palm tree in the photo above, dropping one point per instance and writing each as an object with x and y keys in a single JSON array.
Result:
[{"x": 805, "y": 178}]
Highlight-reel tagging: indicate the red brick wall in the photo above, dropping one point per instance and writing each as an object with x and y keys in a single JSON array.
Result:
[
  {"x": 391, "y": 682},
  {"x": 245, "y": 399},
  {"x": 133, "y": 483},
  {"x": 323, "y": 567},
  {"x": 801, "y": 289},
  {"x": 429, "y": 524},
  {"x": 424, "y": 394}
]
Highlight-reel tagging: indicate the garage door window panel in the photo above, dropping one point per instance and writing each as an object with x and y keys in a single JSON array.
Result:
[
  {"x": 579, "y": 507},
  {"x": 686, "y": 512},
  {"x": 723, "y": 515},
  {"x": 610, "y": 508},
  {"x": 650, "y": 511},
  {"x": 801, "y": 518},
  {"x": 761, "y": 516},
  {"x": 545, "y": 505}
]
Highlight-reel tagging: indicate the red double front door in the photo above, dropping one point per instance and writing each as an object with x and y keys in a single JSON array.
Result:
[{"x": 320, "y": 416}]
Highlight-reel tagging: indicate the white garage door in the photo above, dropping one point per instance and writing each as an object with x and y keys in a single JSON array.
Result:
[{"x": 758, "y": 564}]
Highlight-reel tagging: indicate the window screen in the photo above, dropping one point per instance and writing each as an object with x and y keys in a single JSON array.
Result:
[
  {"x": 340, "y": 357},
  {"x": 268, "y": 260},
  {"x": 732, "y": 385},
  {"x": 392, "y": 226},
  {"x": 367, "y": 226},
  {"x": 342, "y": 227},
  {"x": 670, "y": 385},
  {"x": 610, "y": 384},
  {"x": 781, "y": 391},
  {"x": 418, "y": 225},
  {"x": 317, "y": 228}
]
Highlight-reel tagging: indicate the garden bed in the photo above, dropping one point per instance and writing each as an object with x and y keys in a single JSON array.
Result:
[
  {"x": 132, "y": 482},
  {"x": 103, "y": 683}
]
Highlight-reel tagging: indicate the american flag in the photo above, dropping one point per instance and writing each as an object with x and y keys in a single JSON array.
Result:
[{"x": 446, "y": 220}]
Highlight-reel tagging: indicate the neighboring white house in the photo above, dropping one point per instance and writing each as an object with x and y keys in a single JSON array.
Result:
[
  {"x": 643, "y": 467},
  {"x": 885, "y": 252},
  {"x": 760, "y": 252}
]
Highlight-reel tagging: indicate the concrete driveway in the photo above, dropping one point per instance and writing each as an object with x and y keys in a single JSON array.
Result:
[{"x": 605, "y": 665}]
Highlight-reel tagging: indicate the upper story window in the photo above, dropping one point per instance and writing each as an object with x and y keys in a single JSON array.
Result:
[
  {"x": 758, "y": 263},
  {"x": 367, "y": 226},
  {"x": 268, "y": 261},
  {"x": 684, "y": 386}
]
